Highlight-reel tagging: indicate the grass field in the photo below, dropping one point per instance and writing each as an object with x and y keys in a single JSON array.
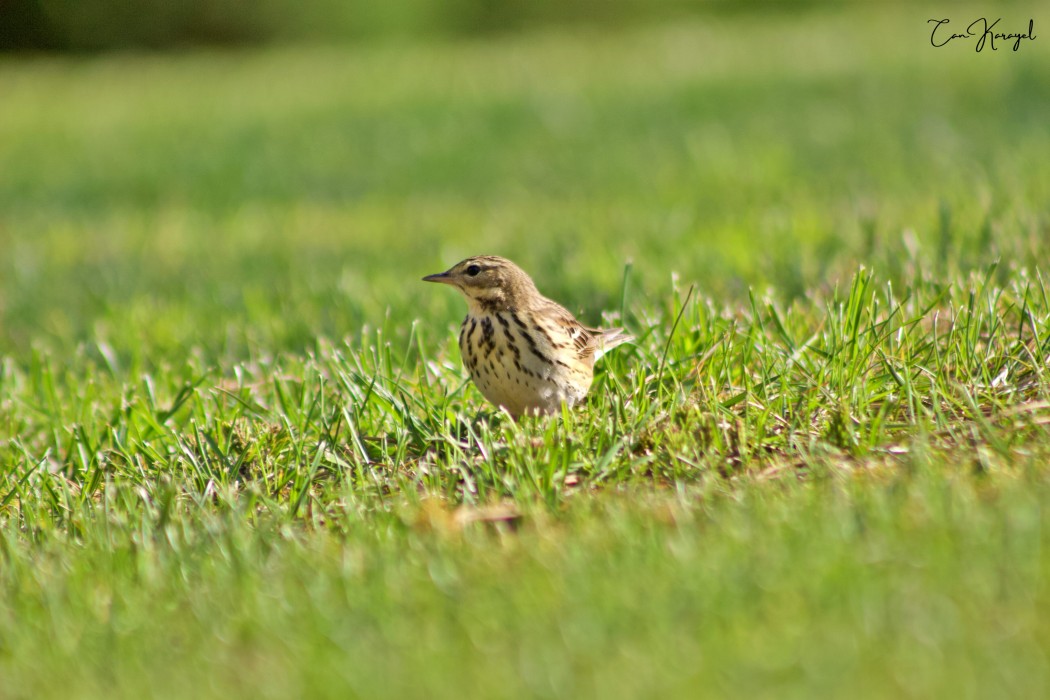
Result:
[{"x": 239, "y": 455}]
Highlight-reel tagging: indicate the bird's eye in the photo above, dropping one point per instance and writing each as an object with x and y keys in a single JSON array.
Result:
[{"x": 473, "y": 270}]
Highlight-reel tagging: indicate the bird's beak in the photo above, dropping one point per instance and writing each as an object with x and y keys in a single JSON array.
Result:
[{"x": 443, "y": 277}]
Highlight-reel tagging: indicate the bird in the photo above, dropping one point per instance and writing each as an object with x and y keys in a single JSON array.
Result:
[{"x": 525, "y": 353}]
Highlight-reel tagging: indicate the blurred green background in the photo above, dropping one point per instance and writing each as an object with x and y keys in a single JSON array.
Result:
[
  {"x": 234, "y": 198},
  {"x": 108, "y": 24}
]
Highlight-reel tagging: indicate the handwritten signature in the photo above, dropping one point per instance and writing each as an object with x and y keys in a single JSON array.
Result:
[{"x": 983, "y": 30}]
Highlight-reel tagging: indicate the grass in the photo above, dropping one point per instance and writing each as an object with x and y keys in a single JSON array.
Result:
[
  {"x": 240, "y": 455},
  {"x": 875, "y": 585}
]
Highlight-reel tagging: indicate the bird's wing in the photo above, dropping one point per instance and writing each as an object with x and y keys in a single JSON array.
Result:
[
  {"x": 590, "y": 343},
  {"x": 582, "y": 337}
]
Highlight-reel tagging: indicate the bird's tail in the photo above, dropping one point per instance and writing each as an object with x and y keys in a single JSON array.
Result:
[{"x": 609, "y": 338}]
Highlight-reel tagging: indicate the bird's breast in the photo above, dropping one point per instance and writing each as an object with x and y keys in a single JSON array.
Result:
[{"x": 522, "y": 363}]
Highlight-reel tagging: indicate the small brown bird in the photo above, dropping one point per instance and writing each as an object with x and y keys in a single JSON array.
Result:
[{"x": 524, "y": 352}]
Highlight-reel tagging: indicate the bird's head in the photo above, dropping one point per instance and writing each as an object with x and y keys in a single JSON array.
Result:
[{"x": 489, "y": 283}]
